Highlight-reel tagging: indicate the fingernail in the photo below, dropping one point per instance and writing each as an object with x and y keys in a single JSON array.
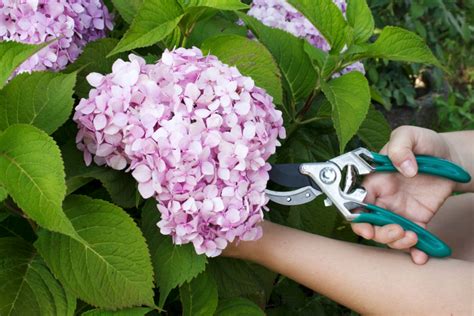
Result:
[
  {"x": 366, "y": 235},
  {"x": 408, "y": 168}
]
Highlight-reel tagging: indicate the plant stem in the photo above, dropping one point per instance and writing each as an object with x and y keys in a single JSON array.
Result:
[
  {"x": 184, "y": 40},
  {"x": 307, "y": 105}
]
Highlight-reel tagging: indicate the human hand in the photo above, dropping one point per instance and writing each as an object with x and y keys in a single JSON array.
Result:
[{"x": 414, "y": 196}]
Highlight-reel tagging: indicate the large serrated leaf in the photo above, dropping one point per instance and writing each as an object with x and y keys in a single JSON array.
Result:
[
  {"x": 12, "y": 55},
  {"x": 93, "y": 59},
  {"x": 32, "y": 171},
  {"x": 215, "y": 4},
  {"x": 46, "y": 105},
  {"x": 110, "y": 265},
  {"x": 16, "y": 226},
  {"x": 134, "y": 311},
  {"x": 173, "y": 264},
  {"x": 154, "y": 21},
  {"x": 349, "y": 96},
  {"x": 295, "y": 65},
  {"x": 242, "y": 278},
  {"x": 375, "y": 130},
  {"x": 398, "y": 44},
  {"x": 27, "y": 286},
  {"x": 3, "y": 193},
  {"x": 127, "y": 8},
  {"x": 238, "y": 306},
  {"x": 251, "y": 58},
  {"x": 211, "y": 27},
  {"x": 327, "y": 18},
  {"x": 199, "y": 296},
  {"x": 121, "y": 186},
  {"x": 360, "y": 19}
]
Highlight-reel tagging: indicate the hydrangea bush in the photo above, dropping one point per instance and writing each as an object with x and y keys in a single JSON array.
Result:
[{"x": 128, "y": 163}]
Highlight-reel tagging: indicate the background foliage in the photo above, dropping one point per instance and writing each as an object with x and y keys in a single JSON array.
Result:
[
  {"x": 80, "y": 240},
  {"x": 448, "y": 29}
]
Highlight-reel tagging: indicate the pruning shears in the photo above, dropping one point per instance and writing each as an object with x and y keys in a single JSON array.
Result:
[{"x": 337, "y": 178}]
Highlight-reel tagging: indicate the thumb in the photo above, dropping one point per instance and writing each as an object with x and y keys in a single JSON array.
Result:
[{"x": 400, "y": 150}]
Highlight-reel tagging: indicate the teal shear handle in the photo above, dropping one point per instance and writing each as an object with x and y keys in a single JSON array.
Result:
[
  {"x": 427, "y": 165},
  {"x": 427, "y": 242}
]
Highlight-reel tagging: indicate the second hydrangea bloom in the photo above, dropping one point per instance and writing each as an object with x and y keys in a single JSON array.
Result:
[
  {"x": 280, "y": 14},
  {"x": 196, "y": 135},
  {"x": 70, "y": 25}
]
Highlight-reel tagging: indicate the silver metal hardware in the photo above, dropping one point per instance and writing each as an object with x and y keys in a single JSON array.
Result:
[{"x": 328, "y": 175}]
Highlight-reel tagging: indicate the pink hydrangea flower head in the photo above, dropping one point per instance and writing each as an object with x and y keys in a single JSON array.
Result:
[
  {"x": 70, "y": 24},
  {"x": 195, "y": 133},
  {"x": 280, "y": 14}
]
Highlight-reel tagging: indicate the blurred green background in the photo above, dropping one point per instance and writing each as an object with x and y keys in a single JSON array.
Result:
[{"x": 420, "y": 95}]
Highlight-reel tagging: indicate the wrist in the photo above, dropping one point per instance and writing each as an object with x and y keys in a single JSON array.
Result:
[{"x": 246, "y": 250}]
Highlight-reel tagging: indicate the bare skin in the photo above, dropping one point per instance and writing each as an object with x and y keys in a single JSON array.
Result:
[
  {"x": 366, "y": 279},
  {"x": 375, "y": 281},
  {"x": 416, "y": 197}
]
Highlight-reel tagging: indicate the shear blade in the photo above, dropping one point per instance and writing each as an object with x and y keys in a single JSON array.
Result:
[
  {"x": 297, "y": 197},
  {"x": 289, "y": 175}
]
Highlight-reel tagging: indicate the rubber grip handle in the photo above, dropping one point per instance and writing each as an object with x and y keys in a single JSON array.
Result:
[
  {"x": 427, "y": 165},
  {"x": 427, "y": 242}
]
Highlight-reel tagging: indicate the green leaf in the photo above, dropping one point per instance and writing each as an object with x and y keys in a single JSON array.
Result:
[
  {"x": 242, "y": 278},
  {"x": 135, "y": 311},
  {"x": 349, "y": 96},
  {"x": 314, "y": 218},
  {"x": 32, "y": 171},
  {"x": 295, "y": 65},
  {"x": 46, "y": 105},
  {"x": 3, "y": 193},
  {"x": 317, "y": 56},
  {"x": 199, "y": 296},
  {"x": 12, "y": 55},
  {"x": 93, "y": 59},
  {"x": 215, "y": 4},
  {"x": 214, "y": 26},
  {"x": 398, "y": 44},
  {"x": 121, "y": 186},
  {"x": 360, "y": 19},
  {"x": 327, "y": 18},
  {"x": 318, "y": 219},
  {"x": 110, "y": 265},
  {"x": 238, "y": 306},
  {"x": 173, "y": 264},
  {"x": 251, "y": 58},
  {"x": 375, "y": 130},
  {"x": 154, "y": 21},
  {"x": 127, "y": 8},
  {"x": 377, "y": 97},
  {"x": 27, "y": 286},
  {"x": 16, "y": 226}
]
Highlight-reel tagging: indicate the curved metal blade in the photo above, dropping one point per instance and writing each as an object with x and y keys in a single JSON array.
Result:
[
  {"x": 296, "y": 197},
  {"x": 289, "y": 175}
]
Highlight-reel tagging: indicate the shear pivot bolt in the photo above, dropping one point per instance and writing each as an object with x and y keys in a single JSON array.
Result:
[
  {"x": 288, "y": 199},
  {"x": 328, "y": 175}
]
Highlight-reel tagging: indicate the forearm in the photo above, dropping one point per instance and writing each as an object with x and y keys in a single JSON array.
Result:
[
  {"x": 461, "y": 150},
  {"x": 366, "y": 279}
]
